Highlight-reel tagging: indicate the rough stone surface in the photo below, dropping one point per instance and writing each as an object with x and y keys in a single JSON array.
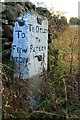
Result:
[
  {"x": 19, "y": 8},
  {"x": 2, "y": 7},
  {"x": 11, "y": 13},
  {"x": 12, "y": 10}
]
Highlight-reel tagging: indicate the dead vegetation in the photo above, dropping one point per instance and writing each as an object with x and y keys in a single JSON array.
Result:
[{"x": 60, "y": 96}]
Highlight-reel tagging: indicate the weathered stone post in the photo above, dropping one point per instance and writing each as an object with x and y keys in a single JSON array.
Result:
[{"x": 29, "y": 50}]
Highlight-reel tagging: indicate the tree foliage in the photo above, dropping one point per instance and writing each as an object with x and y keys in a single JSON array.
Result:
[{"x": 74, "y": 21}]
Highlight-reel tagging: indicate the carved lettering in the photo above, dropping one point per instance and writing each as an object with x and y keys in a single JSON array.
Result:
[
  {"x": 19, "y": 50},
  {"x": 20, "y": 34},
  {"x": 21, "y": 60},
  {"x": 37, "y": 29},
  {"x": 37, "y": 48},
  {"x": 30, "y": 27}
]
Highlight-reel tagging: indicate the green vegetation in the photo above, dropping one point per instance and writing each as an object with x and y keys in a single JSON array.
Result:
[
  {"x": 74, "y": 21},
  {"x": 60, "y": 96}
]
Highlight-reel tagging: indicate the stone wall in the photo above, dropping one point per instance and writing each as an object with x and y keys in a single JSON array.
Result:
[{"x": 12, "y": 10}]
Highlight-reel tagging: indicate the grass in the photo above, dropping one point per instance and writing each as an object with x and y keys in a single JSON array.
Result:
[{"x": 60, "y": 95}]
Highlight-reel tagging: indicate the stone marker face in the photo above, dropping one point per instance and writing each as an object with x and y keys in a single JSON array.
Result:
[{"x": 29, "y": 47}]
